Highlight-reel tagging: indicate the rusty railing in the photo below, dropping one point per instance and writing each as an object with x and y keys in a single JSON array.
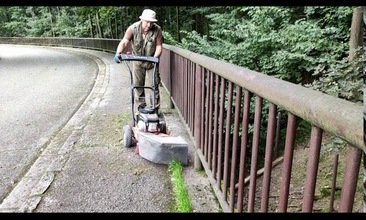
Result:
[{"x": 246, "y": 126}]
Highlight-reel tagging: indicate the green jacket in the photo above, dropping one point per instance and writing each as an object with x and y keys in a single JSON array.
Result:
[{"x": 147, "y": 46}]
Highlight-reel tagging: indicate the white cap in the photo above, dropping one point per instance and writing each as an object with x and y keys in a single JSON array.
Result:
[{"x": 148, "y": 15}]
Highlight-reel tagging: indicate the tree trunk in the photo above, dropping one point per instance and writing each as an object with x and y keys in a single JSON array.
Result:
[
  {"x": 178, "y": 30},
  {"x": 99, "y": 28},
  {"x": 116, "y": 27},
  {"x": 51, "y": 21},
  {"x": 356, "y": 36},
  {"x": 199, "y": 24},
  {"x": 91, "y": 26},
  {"x": 110, "y": 28}
]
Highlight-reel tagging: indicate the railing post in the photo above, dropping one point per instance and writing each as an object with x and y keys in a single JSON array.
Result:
[
  {"x": 364, "y": 178},
  {"x": 198, "y": 117},
  {"x": 364, "y": 120},
  {"x": 350, "y": 179}
]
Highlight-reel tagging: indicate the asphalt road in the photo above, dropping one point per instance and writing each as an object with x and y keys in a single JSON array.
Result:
[
  {"x": 62, "y": 112},
  {"x": 40, "y": 90}
]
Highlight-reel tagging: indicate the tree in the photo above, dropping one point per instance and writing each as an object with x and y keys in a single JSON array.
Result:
[{"x": 356, "y": 36}]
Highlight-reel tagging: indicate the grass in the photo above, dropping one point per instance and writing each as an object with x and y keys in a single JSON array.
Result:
[{"x": 183, "y": 204}]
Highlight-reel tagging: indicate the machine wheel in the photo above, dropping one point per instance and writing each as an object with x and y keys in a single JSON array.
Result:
[
  {"x": 163, "y": 128},
  {"x": 127, "y": 136},
  {"x": 162, "y": 124}
]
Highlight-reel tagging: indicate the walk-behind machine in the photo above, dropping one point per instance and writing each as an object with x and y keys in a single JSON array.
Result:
[{"x": 148, "y": 131}]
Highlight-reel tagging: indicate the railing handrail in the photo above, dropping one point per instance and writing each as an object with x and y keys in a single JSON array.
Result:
[{"x": 315, "y": 109}]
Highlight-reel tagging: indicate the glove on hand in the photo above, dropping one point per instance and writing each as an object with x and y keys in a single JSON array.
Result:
[{"x": 117, "y": 58}]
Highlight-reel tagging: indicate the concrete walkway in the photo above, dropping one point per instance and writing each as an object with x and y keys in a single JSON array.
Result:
[{"x": 86, "y": 168}]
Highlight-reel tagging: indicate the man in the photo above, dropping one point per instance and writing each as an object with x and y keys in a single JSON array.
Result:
[{"x": 146, "y": 40}]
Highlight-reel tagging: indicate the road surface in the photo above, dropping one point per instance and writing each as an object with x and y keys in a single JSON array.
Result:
[{"x": 40, "y": 91}]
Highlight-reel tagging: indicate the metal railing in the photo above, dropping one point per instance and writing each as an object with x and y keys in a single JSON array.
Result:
[
  {"x": 246, "y": 126},
  {"x": 223, "y": 106}
]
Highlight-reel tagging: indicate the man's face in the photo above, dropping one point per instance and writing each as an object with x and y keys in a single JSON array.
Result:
[{"x": 146, "y": 25}]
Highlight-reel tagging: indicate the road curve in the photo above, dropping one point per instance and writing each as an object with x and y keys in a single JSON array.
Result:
[{"x": 41, "y": 89}]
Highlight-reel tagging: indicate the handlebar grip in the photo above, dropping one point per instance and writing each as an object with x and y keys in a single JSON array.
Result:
[{"x": 131, "y": 57}]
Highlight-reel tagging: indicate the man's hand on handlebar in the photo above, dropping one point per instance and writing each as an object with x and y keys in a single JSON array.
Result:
[{"x": 117, "y": 58}]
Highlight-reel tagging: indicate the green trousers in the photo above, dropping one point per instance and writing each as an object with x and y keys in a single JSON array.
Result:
[{"x": 145, "y": 77}]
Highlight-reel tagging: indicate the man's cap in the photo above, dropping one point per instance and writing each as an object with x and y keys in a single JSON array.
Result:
[{"x": 148, "y": 15}]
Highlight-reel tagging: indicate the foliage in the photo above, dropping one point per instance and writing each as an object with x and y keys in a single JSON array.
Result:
[
  {"x": 296, "y": 44},
  {"x": 14, "y": 26},
  {"x": 69, "y": 23},
  {"x": 169, "y": 39},
  {"x": 343, "y": 79},
  {"x": 304, "y": 45}
]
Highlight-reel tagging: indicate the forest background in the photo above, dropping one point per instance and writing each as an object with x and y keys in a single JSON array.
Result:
[{"x": 308, "y": 45}]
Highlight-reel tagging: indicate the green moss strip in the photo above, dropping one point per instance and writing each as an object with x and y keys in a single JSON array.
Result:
[{"x": 183, "y": 204}]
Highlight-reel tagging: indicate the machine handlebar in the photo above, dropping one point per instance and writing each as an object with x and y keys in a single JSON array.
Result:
[{"x": 132, "y": 57}]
